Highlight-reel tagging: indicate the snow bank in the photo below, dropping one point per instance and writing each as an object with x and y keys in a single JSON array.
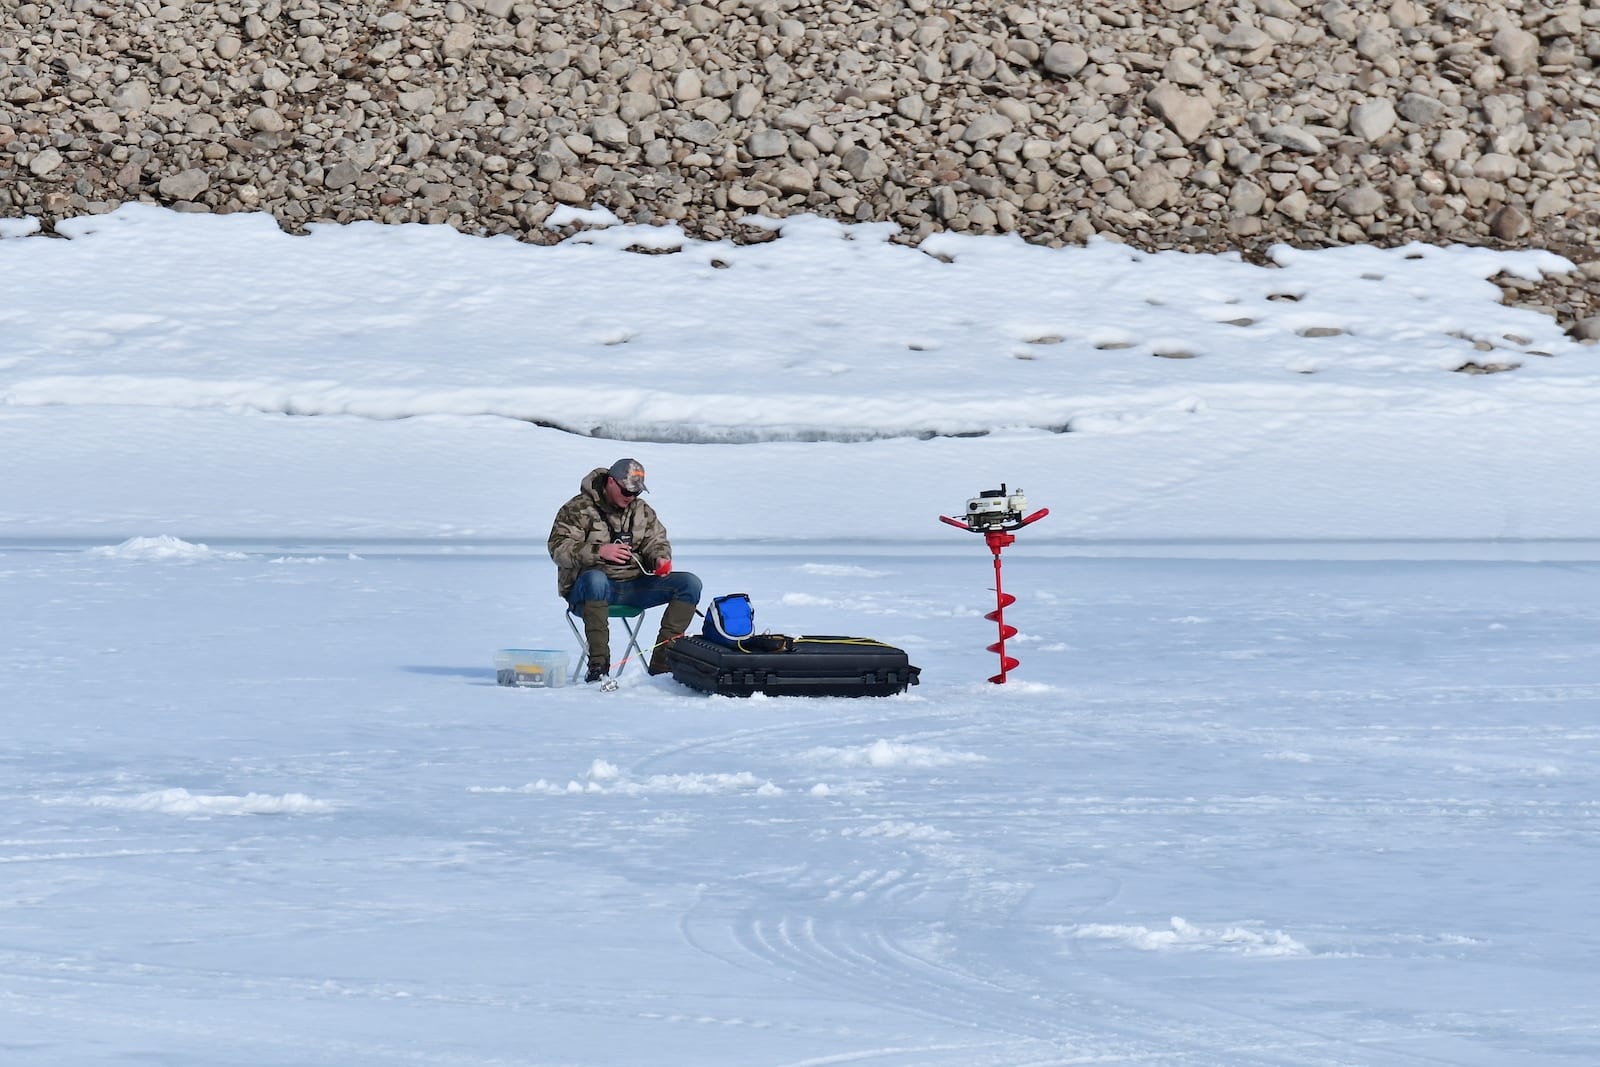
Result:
[
  {"x": 183, "y": 802},
  {"x": 827, "y": 332},
  {"x": 605, "y": 778},
  {"x": 163, "y": 547},
  {"x": 1184, "y": 936},
  {"x": 883, "y": 753}
]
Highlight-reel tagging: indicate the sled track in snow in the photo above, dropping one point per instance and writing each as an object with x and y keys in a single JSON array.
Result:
[
  {"x": 1016, "y": 1018},
  {"x": 927, "y": 938}
]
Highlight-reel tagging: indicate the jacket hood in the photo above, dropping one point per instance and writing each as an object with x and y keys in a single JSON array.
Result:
[{"x": 593, "y": 485}]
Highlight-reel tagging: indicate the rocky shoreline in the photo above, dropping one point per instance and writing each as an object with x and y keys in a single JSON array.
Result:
[{"x": 1172, "y": 124}]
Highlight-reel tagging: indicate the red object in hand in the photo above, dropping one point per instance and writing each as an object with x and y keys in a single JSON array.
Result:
[{"x": 663, "y": 568}]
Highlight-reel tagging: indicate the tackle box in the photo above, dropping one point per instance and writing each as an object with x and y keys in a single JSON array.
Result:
[
  {"x": 538, "y": 668},
  {"x": 804, "y": 666}
]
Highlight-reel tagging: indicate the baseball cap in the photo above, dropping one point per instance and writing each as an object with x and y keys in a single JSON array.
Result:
[{"x": 630, "y": 475}]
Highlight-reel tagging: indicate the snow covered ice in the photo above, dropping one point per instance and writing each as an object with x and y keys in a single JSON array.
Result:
[{"x": 1299, "y": 767}]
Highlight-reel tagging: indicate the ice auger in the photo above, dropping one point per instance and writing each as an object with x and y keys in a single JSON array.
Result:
[{"x": 995, "y": 513}]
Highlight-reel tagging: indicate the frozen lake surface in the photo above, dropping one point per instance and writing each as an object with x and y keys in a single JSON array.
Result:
[{"x": 265, "y": 806}]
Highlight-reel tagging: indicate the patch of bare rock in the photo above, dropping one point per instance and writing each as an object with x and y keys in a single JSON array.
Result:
[{"x": 1181, "y": 124}]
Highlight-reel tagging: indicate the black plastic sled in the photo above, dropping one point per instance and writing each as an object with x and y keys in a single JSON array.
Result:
[{"x": 801, "y": 666}]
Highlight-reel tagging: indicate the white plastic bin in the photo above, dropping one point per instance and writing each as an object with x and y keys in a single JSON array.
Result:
[{"x": 537, "y": 668}]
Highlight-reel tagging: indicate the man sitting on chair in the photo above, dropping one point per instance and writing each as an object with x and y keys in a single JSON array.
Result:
[{"x": 610, "y": 548}]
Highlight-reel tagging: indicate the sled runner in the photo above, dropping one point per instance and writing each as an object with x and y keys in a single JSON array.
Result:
[{"x": 797, "y": 666}]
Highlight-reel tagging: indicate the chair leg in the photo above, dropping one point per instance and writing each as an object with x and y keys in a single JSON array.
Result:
[
  {"x": 633, "y": 626},
  {"x": 590, "y": 649},
  {"x": 594, "y": 639},
  {"x": 583, "y": 646}
]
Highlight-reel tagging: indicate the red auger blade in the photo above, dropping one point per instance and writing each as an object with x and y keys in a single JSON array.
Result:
[
  {"x": 1007, "y": 663},
  {"x": 1005, "y": 634}
]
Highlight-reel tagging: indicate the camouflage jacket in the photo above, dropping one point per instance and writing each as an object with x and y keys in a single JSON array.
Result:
[{"x": 588, "y": 521}]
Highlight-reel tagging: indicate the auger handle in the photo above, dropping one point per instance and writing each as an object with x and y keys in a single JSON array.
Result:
[{"x": 1019, "y": 524}]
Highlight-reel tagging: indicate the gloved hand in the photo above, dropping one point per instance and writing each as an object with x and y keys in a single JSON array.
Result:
[{"x": 663, "y": 568}]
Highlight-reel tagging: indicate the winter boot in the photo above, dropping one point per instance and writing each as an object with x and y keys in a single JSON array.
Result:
[
  {"x": 597, "y": 632},
  {"x": 675, "y": 620}
]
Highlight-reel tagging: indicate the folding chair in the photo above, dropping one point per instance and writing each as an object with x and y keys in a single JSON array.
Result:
[{"x": 632, "y": 622}]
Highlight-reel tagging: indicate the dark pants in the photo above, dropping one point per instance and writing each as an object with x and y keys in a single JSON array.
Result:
[{"x": 645, "y": 591}]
